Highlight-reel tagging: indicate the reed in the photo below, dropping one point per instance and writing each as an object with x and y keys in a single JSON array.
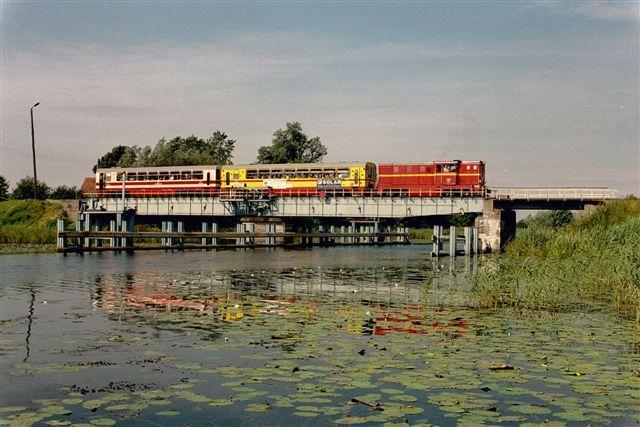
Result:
[{"x": 591, "y": 261}]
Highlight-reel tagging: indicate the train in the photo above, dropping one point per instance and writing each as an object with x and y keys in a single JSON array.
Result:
[{"x": 441, "y": 178}]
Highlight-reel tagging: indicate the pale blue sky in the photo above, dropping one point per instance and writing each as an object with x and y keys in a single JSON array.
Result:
[{"x": 545, "y": 92}]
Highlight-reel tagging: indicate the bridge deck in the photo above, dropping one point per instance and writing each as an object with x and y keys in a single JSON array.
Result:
[
  {"x": 340, "y": 205},
  {"x": 552, "y": 193}
]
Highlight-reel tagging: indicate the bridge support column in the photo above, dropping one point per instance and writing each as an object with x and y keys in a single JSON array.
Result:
[
  {"x": 332, "y": 230},
  {"x": 205, "y": 227},
  {"x": 87, "y": 227},
  {"x": 342, "y": 230},
  {"x": 475, "y": 243},
  {"x": 452, "y": 240},
  {"x": 468, "y": 236},
  {"x": 79, "y": 227},
  {"x": 60, "y": 227},
  {"x": 252, "y": 230},
  {"x": 181, "y": 239},
  {"x": 437, "y": 241},
  {"x": 164, "y": 241},
  {"x": 214, "y": 229},
  {"x": 240, "y": 229},
  {"x": 112, "y": 228},
  {"x": 496, "y": 227},
  {"x": 170, "y": 240}
]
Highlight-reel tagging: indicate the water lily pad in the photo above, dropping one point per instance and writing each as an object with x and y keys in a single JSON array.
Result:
[
  {"x": 170, "y": 413},
  {"x": 306, "y": 414},
  {"x": 102, "y": 422}
]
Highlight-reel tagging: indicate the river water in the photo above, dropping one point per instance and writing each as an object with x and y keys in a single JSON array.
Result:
[{"x": 357, "y": 335}]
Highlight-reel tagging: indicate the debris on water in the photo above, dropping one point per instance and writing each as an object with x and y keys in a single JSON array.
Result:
[
  {"x": 503, "y": 367},
  {"x": 361, "y": 352},
  {"x": 485, "y": 389}
]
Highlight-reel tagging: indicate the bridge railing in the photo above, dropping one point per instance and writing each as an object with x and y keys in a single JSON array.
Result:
[
  {"x": 257, "y": 194},
  {"x": 552, "y": 193}
]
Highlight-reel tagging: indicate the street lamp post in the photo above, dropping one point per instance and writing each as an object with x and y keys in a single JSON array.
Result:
[{"x": 33, "y": 148}]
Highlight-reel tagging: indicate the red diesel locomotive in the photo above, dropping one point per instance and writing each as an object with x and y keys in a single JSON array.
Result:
[{"x": 458, "y": 177}]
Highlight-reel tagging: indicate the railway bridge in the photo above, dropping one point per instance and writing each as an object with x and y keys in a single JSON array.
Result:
[{"x": 366, "y": 213}]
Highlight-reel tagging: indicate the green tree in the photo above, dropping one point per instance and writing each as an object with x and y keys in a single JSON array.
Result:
[
  {"x": 4, "y": 189},
  {"x": 112, "y": 158},
  {"x": 24, "y": 189},
  {"x": 179, "y": 151},
  {"x": 292, "y": 145},
  {"x": 64, "y": 192}
]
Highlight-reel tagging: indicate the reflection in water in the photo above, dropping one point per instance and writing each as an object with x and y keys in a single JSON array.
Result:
[
  {"x": 272, "y": 338},
  {"x": 29, "y": 323}
]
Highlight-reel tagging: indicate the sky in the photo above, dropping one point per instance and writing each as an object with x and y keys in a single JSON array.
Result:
[{"x": 547, "y": 93}]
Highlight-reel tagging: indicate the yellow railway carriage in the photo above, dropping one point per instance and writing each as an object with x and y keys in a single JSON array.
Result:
[{"x": 301, "y": 178}]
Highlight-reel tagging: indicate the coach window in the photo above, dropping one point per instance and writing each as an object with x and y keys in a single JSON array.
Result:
[
  {"x": 153, "y": 176},
  {"x": 131, "y": 176},
  {"x": 252, "y": 174},
  {"x": 163, "y": 176},
  {"x": 438, "y": 168},
  {"x": 197, "y": 174},
  {"x": 108, "y": 175},
  {"x": 142, "y": 176}
]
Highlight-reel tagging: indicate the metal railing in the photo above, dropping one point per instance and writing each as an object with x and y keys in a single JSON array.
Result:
[
  {"x": 552, "y": 193},
  {"x": 240, "y": 193}
]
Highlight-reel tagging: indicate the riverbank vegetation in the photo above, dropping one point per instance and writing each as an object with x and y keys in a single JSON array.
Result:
[
  {"x": 29, "y": 222},
  {"x": 593, "y": 260}
]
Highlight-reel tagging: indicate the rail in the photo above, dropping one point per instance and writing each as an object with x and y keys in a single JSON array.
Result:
[
  {"x": 552, "y": 193},
  {"x": 255, "y": 194}
]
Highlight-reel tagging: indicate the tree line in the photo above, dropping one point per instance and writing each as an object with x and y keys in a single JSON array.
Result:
[
  {"x": 24, "y": 190},
  {"x": 289, "y": 145}
]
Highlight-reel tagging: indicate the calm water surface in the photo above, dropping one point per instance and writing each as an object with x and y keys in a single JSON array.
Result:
[{"x": 314, "y": 337}]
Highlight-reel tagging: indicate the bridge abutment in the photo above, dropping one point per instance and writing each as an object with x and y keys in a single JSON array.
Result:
[{"x": 496, "y": 227}]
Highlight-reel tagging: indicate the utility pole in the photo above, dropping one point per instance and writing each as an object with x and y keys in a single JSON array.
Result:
[{"x": 33, "y": 148}]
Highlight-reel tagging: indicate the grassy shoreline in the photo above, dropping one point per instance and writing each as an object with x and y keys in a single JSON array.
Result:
[
  {"x": 595, "y": 260},
  {"x": 28, "y": 224}
]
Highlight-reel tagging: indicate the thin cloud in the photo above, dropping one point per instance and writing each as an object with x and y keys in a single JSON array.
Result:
[{"x": 616, "y": 11}]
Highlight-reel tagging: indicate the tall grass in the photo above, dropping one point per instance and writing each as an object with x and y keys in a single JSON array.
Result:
[
  {"x": 593, "y": 260},
  {"x": 28, "y": 222}
]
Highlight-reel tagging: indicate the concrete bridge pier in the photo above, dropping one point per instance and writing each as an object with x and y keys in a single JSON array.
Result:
[
  {"x": 437, "y": 241},
  {"x": 496, "y": 227},
  {"x": 453, "y": 234}
]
